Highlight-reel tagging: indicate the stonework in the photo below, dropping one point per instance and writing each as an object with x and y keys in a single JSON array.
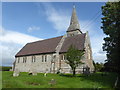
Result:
[
  {"x": 74, "y": 24},
  {"x": 56, "y": 61}
]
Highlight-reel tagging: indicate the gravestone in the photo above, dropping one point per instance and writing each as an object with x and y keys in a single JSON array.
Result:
[
  {"x": 52, "y": 82},
  {"x": 34, "y": 73},
  {"x": 86, "y": 70},
  {"x": 58, "y": 71},
  {"x": 11, "y": 70},
  {"x": 16, "y": 73},
  {"x": 30, "y": 72}
]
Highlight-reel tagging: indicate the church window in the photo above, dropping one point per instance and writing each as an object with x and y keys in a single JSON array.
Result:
[
  {"x": 24, "y": 59},
  {"x": 65, "y": 58},
  {"x": 18, "y": 59},
  {"x": 71, "y": 34},
  {"x": 33, "y": 58},
  {"x": 62, "y": 57},
  {"x": 45, "y": 58},
  {"x": 42, "y": 58}
]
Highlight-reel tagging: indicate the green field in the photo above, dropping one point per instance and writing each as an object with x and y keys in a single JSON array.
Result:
[{"x": 95, "y": 80}]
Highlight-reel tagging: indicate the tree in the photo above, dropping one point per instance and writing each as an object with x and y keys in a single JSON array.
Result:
[
  {"x": 98, "y": 66},
  {"x": 73, "y": 56},
  {"x": 111, "y": 27},
  {"x": 94, "y": 66}
]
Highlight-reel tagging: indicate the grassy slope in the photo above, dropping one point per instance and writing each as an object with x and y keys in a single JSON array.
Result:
[{"x": 29, "y": 81}]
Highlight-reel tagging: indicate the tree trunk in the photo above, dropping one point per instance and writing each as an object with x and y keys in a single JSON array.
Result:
[{"x": 74, "y": 72}]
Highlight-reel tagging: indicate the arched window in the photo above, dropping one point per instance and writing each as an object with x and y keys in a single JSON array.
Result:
[
  {"x": 18, "y": 59},
  {"x": 44, "y": 58},
  {"x": 62, "y": 57},
  {"x": 24, "y": 59},
  {"x": 33, "y": 58}
]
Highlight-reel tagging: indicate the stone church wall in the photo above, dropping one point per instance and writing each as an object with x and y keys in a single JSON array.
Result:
[
  {"x": 88, "y": 53},
  {"x": 72, "y": 33},
  {"x": 34, "y": 66}
]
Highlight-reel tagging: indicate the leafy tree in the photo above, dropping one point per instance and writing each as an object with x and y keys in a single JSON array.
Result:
[
  {"x": 111, "y": 27},
  {"x": 99, "y": 66},
  {"x": 73, "y": 56},
  {"x": 94, "y": 66}
]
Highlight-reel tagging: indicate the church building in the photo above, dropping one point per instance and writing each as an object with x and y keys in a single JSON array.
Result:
[{"x": 49, "y": 55}]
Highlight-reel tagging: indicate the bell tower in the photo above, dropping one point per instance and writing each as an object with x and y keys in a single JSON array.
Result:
[{"x": 74, "y": 27}]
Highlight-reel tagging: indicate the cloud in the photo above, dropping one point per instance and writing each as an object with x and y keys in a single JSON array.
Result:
[
  {"x": 59, "y": 18},
  {"x": 33, "y": 28},
  {"x": 7, "y": 36},
  {"x": 97, "y": 42},
  {"x": 11, "y": 43},
  {"x": 101, "y": 51},
  {"x": 99, "y": 57}
]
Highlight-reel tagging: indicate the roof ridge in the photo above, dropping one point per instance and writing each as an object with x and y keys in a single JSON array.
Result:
[{"x": 44, "y": 40}]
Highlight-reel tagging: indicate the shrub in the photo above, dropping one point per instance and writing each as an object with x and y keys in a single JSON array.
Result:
[{"x": 6, "y": 68}]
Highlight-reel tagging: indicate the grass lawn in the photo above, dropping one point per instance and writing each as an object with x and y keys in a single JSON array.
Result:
[
  {"x": 95, "y": 80},
  {"x": 0, "y": 80}
]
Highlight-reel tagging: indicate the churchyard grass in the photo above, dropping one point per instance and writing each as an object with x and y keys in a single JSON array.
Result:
[
  {"x": 0, "y": 80},
  {"x": 96, "y": 80}
]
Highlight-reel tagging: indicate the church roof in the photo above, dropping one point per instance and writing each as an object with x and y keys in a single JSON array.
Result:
[
  {"x": 77, "y": 41},
  {"x": 39, "y": 47},
  {"x": 49, "y": 45}
]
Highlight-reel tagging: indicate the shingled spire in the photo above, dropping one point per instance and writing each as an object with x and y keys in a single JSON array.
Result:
[{"x": 74, "y": 23}]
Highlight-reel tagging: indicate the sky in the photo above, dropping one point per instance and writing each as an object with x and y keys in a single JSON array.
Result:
[{"x": 24, "y": 22}]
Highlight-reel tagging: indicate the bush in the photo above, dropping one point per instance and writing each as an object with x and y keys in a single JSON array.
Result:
[{"x": 6, "y": 68}]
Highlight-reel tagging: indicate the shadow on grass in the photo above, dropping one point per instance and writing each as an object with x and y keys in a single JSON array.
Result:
[
  {"x": 70, "y": 75},
  {"x": 101, "y": 79},
  {"x": 106, "y": 80}
]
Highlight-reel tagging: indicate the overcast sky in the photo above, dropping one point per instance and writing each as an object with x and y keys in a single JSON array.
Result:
[{"x": 28, "y": 22}]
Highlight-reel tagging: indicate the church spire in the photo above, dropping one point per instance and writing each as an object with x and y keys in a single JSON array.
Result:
[{"x": 74, "y": 23}]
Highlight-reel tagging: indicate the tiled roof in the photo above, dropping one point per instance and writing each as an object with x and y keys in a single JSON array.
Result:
[
  {"x": 39, "y": 47},
  {"x": 49, "y": 45},
  {"x": 77, "y": 41}
]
